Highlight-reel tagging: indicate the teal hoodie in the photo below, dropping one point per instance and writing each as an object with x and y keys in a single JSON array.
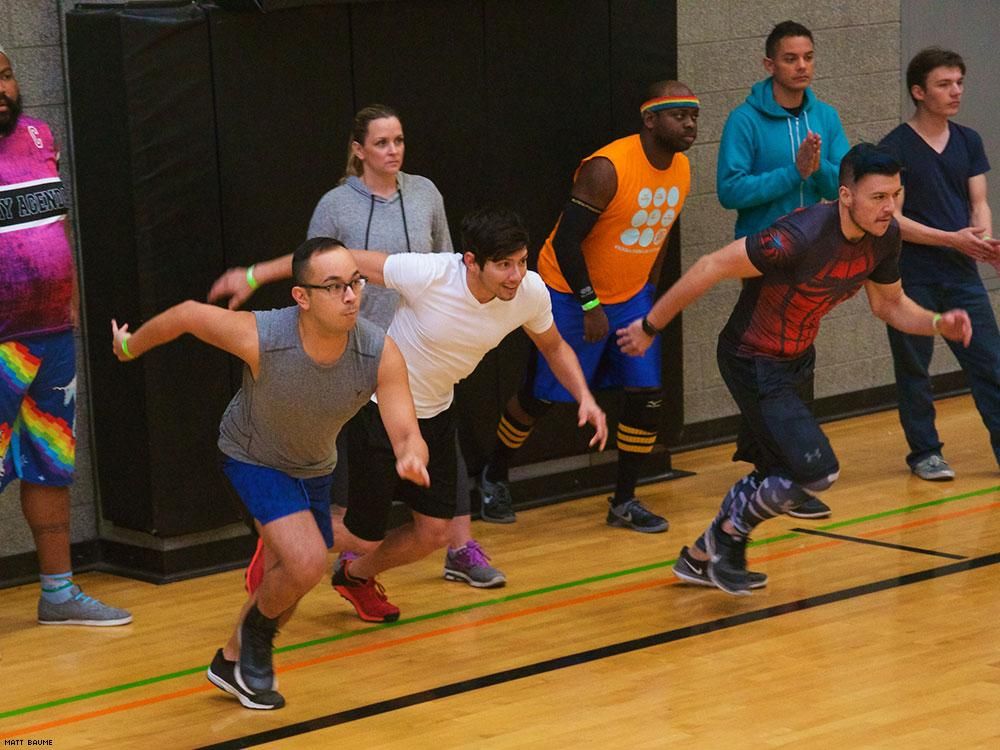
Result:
[{"x": 756, "y": 173}]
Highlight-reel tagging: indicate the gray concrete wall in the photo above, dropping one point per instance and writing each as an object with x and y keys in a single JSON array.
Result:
[
  {"x": 721, "y": 46},
  {"x": 30, "y": 31}
]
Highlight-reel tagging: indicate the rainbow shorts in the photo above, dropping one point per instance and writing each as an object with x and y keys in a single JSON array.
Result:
[{"x": 37, "y": 405}]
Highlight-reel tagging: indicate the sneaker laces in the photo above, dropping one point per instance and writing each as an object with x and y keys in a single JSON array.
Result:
[
  {"x": 81, "y": 597},
  {"x": 378, "y": 589},
  {"x": 472, "y": 555},
  {"x": 261, "y": 640},
  {"x": 637, "y": 509}
]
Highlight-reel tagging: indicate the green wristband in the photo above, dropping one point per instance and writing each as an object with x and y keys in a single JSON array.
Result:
[
  {"x": 125, "y": 350},
  {"x": 587, "y": 306},
  {"x": 934, "y": 322},
  {"x": 251, "y": 281}
]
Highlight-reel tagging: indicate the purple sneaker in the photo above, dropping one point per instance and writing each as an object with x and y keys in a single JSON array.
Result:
[{"x": 472, "y": 565}]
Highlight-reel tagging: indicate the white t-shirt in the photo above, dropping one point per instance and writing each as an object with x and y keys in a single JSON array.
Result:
[{"x": 443, "y": 331}]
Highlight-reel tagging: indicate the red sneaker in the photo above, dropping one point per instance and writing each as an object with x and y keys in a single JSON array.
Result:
[
  {"x": 255, "y": 570},
  {"x": 367, "y": 595}
]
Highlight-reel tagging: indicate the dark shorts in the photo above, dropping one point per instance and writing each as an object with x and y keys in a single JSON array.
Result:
[
  {"x": 778, "y": 434},
  {"x": 270, "y": 494},
  {"x": 604, "y": 365},
  {"x": 37, "y": 406},
  {"x": 374, "y": 483}
]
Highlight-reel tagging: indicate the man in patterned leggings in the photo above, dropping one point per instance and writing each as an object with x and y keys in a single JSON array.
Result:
[{"x": 797, "y": 271}]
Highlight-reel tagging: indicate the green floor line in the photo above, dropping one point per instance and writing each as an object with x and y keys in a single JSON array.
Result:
[{"x": 485, "y": 603}]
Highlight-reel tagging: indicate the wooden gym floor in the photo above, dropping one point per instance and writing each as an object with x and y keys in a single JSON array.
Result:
[{"x": 879, "y": 628}]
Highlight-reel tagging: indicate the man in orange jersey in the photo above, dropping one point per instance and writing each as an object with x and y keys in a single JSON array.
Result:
[{"x": 600, "y": 265}]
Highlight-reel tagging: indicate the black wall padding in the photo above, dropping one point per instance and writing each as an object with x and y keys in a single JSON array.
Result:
[
  {"x": 283, "y": 106},
  {"x": 148, "y": 199},
  {"x": 426, "y": 60},
  {"x": 270, "y": 5},
  {"x": 205, "y": 137}
]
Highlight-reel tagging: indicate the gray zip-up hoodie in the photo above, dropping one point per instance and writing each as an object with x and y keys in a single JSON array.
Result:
[{"x": 410, "y": 220}]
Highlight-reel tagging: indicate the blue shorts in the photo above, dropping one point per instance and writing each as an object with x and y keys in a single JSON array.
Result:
[
  {"x": 37, "y": 407},
  {"x": 604, "y": 364},
  {"x": 270, "y": 494}
]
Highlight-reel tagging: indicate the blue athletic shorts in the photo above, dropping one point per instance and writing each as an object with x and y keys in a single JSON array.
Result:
[
  {"x": 270, "y": 494},
  {"x": 604, "y": 364},
  {"x": 37, "y": 406}
]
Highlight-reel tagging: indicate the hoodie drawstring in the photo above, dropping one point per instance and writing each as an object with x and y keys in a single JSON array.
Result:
[{"x": 402, "y": 208}]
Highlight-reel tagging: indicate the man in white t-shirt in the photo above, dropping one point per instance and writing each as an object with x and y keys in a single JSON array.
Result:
[{"x": 454, "y": 309}]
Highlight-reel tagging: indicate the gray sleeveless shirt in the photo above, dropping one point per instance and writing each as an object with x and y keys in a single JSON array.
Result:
[{"x": 289, "y": 417}]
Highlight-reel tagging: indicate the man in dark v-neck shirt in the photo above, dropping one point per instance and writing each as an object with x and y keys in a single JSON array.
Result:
[{"x": 946, "y": 226}]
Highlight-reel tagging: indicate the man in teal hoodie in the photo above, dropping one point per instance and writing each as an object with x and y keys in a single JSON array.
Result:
[{"x": 781, "y": 150}]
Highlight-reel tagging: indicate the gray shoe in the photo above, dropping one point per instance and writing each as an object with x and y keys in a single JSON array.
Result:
[
  {"x": 472, "y": 565},
  {"x": 636, "y": 516},
  {"x": 81, "y": 609},
  {"x": 498, "y": 506},
  {"x": 933, "y": 469}
]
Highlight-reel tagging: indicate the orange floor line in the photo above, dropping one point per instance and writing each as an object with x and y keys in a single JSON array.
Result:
[
  {"x": 466, "y": 626},
  {"x": 926, "y": 521}
]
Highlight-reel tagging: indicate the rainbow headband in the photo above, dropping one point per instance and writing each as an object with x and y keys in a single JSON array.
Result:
[{"x": 670, "y": 102}]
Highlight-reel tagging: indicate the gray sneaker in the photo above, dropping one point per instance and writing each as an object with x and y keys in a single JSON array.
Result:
[
  {"x": 472, "y": 565},
  {"x": 933, "y": 469},
  {"x": 81, "y": 609},
  {"x": 497, "y": 503}
]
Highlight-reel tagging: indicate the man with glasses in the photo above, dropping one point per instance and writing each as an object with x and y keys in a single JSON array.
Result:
[
  {"x": 454, "y": 309},
  {"x": 309, "y": 369}
]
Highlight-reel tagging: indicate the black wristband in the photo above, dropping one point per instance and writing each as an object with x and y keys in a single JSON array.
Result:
[{"x": 649, "y": 328}]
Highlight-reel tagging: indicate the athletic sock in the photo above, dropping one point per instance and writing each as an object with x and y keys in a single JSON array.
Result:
[
  {"x": 628, "y": 475},
  {"x": 511, "y": 435},
  {"x": 57, "y": 588}
]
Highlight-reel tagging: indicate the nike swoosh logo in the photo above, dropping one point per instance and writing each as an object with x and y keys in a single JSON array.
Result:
[{"x": 696, "y": 569}]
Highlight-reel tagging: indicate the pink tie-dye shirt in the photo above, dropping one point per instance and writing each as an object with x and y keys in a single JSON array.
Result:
[{"x": 36, "y": 261}]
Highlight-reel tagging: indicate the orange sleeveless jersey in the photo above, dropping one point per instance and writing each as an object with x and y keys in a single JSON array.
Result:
[{"x": 621, "y": 248}]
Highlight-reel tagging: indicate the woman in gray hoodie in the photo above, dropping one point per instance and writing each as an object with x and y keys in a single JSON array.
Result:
[{"x": 377, "y": 206}]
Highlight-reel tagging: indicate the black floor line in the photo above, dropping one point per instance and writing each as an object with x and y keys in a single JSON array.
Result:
[
  {"x": 876, "y": 543},
  {"x": 583, "y": 657}
]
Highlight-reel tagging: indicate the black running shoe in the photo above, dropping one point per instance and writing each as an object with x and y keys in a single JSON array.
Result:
[
  {"x": 222, "y": 674},
  {"x": 811, "y": 508},
  {"x": 255, "y": 669},
  {"x": 634, "y": 515},
  {"x": 498, "y": 506},
  {"x": 728, "y": 567},
  {"x": 691, "y": 570}
]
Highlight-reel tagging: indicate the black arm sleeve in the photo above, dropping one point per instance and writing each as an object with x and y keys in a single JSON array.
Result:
[{"x": 578, "y": 218}]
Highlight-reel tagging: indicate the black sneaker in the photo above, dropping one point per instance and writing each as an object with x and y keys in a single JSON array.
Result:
[
  {"x": 222, "y": 674},
  {"x": 633, "y": 515},
  {"x": 728, "y": 568},
  {"x": 497, "y": 507},
  {"x": 255, "y": 669},
  {"x": 811, "y": 508},
  {"x": 691, "y": 570}
]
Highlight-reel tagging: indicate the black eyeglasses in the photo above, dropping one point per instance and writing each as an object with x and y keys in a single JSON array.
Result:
[{"x": 339, "y": 288}]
